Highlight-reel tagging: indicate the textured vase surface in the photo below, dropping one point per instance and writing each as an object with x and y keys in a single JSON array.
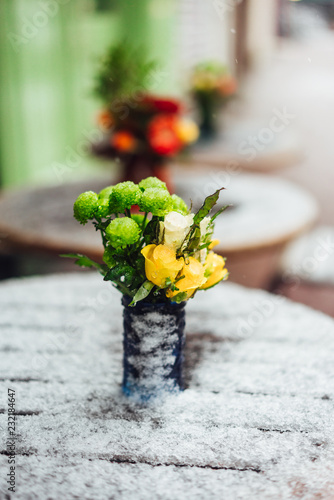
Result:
[{"x": 153, "y": 344}]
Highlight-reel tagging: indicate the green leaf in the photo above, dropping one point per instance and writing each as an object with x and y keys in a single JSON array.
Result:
[
  {"x": 194, "y": 239},
  {"x": 151, "y": 231},
  {"x": 123, "y": 70},
  {"x": 142, "y": 292},
  {"x": 125, "y": 277},
  {"x": 168, "y": 282},
  {"x": 220, "y": 211},
  {"x": 83, "y": 261},
  {"x": 172, "y": 285},
  {"x": 71, "y": 255},
  {"x": 207, "y": 206}
]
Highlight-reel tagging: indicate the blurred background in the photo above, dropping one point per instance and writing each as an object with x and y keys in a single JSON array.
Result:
[{"x": 257, "y": 76}]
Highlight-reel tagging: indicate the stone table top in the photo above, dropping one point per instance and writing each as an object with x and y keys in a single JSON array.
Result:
[
  {"x": 255, "y": 421},
  {"x": 266, "y": 211}
]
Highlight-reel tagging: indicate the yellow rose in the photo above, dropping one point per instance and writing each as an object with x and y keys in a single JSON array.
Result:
[
  {"x": 160, "y": 264},
  {"x": 214, "y": 269},
  {"x": 193, "y": 273},
  {"x": 213, "y": 244}
]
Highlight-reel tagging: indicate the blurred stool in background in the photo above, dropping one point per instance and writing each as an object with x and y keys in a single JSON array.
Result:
[{"x": 306, "y": 272}]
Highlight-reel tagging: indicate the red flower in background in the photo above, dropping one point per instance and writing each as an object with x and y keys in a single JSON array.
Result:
[
  {"x": 162, "y": 105},
  {"x": 162, "y": 135}
]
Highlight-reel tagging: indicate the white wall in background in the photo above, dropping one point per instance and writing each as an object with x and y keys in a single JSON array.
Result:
[
  {"x": 203, "y": 32},
  {"x": 261, "y": 35}
]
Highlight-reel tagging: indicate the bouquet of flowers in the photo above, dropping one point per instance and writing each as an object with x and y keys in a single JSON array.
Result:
[
  {"x": 213, "y": 77},
  {"x": 156, "y": 129},
  {"x": 211, "y": 85},
  {"x": 163, "y": 254},
  {"x": 142, "y": 129},
  {"x": 157, "y": 259}
]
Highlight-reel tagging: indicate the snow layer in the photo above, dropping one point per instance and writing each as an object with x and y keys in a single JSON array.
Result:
[
  {"x": 256, "y": 419},
  {"x": 310, "y": 257},
  {"x": 257, "y": 216}
]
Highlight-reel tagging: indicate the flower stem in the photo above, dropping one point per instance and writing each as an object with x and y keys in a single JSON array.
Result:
[{"x": 144, "y": 221}]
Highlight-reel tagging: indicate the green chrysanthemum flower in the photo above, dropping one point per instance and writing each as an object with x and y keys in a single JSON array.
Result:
[
  {"x": 85, "y": 206},
  {"x": 105, "y": 196},
  {"x": 103, "y": 208},
  {"x": 122, "y": 232},
  {"x": 152, "y": 182},
  {"x": 178, "y": 205},
  {"x": 106, "y": 192},
  {"x": 125, "y": 194},
  {"x": 157, "y": 201},
  {"x": 108, "y": 257}
]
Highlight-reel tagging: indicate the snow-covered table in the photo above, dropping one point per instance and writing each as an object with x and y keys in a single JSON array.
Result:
[{"x": 256, "y": 419}]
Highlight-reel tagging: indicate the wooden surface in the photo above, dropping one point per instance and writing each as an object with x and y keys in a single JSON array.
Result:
[{"x": 254, "y": 422}]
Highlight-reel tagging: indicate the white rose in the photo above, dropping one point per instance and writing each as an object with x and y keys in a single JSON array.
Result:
[
  {"x": 204, "y": 227},
  {"x": 176, "y": 229},
  {"x": 202, "y": 255}
]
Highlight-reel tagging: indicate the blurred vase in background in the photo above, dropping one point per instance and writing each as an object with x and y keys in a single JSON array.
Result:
[{"x": 211, "y": 86}]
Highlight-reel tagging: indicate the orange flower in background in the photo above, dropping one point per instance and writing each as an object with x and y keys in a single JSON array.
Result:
[
  {"x": 227, "y": 85},
  {"x": 105, "y": 119},
  {"x": 123, "y": 141},
  {"x": 162, "y": 135}
]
